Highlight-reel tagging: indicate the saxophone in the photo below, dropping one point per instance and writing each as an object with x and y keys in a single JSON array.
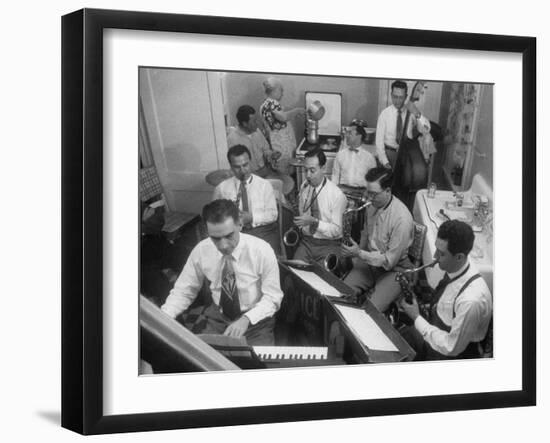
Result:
[
  {"x": 402, "y": 277},
  {"x": 334, "y": 263},
  {"x": 293, "y": 234}
]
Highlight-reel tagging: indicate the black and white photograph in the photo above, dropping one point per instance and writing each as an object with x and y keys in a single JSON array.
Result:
[
  {"x": 270, "y": 221},
  {"x": 218, "y": 227},
  {"x": 290, "y": 220}
]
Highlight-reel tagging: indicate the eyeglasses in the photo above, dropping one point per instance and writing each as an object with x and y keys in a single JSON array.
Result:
[{"x": 372, "y": 195}]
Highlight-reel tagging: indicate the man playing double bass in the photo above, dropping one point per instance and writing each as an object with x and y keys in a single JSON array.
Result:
[
  {"x": 395, "y": 124},
  {"x": 397, "y": 144}
]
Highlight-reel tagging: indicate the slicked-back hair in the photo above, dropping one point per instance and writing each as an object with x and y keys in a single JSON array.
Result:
[
  {"x": 235, "y": 151},
  {"x": 317, "y": 152},
  {"x": 380, "y": 174},
  {"x": 399, "y": 84},
  {"x": 459, "y": 236},
  {"x": 244, "y": 112},
  {"x": 360, "y": 130},
  {"x": 218, "y": 211}
]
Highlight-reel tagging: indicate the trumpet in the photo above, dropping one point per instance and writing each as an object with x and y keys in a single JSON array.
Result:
[{"x": 334, "y": 263}]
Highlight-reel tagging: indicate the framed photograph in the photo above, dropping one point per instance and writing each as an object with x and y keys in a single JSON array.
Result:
[{"x": 149, "y": 101}]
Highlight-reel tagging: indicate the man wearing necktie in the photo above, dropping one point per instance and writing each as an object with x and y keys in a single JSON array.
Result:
[
  {"x": 243, "y": 276},
  {"x": 461, "y": 306},
  {"x": 321, "y": 205},
  {"x": 353, "y": 162},
  {"x": 396, "y": 123},
  {"x": 253, "y": 195}
]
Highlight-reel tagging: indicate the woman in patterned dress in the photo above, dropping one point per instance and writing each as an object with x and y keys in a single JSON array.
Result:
[{"x": 278, "y": 124}]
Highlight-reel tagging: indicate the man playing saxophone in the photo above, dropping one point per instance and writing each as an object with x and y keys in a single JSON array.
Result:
[
  {"x": 321, "y": 205},
  {"x": 384, "y": 244}
]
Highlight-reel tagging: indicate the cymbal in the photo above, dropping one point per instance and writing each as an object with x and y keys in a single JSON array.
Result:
[
  {"x": 214, "y": 178},
  {"x": 287, "y": 181}
]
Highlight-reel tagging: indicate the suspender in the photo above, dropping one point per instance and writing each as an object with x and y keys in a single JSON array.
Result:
[{"x": 464, "y": 286}]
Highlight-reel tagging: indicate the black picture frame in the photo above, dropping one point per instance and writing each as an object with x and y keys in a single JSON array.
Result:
[{"x": 82, "y": 217}]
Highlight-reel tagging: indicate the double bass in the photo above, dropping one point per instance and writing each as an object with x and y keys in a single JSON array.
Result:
[{"x": 411, "y": 169}]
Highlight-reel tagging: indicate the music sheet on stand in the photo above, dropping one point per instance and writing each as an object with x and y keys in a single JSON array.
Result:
[
  {"x": 316, "y": 282},
  {"x": 366, "y": 329}
]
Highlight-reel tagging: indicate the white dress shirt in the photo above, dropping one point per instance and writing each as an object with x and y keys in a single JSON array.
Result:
[
  {"x": 261, "y": 198},
  {"x": 386, "y": 129},
  {"x": 256, "y": 274},
  {"x": 255, "y": 142},
  {"x": 351, "y": 167},
  {"x": 332, "y": 204},
  {"x": 473, "y": 312}
]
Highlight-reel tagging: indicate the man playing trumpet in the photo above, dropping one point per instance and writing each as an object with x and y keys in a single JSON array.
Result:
[
  {"x": 254, "y": 197},
  {"x": 321, "y": 205},
  {"x": 384, "y": 244}
]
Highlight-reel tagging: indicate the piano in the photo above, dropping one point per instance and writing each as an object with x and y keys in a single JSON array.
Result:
[
  {"x": 169, "y": 347},
  {"x": 320, "y": 333}
]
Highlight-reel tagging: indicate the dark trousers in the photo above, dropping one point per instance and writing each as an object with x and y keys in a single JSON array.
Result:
[
  {"x": 260, "y": 334},
  {"x": 316, "y": 249},
  {"x": 391, "y": 153},
  {"x": 269, "y": 233}
]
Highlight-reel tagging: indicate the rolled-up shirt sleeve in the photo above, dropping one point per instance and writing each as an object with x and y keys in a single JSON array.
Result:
[
  {"x": 186, "y": 288},
  {"x": 400, "y": 239},
  {"x": 468, "y": 315},
  {"x": 271, "y": 294}
]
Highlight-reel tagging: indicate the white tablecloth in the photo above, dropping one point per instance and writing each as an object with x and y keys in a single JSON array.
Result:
[{"x": 426, "y": 211}]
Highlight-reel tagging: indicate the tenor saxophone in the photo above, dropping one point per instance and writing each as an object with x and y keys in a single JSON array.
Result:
[
  {"x": 293, "y": 234},
  {"x": 334, "y": 263},
  {"x": 402, "y": 277}
]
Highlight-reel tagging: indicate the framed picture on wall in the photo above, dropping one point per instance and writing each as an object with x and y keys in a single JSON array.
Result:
[{"x": 148, "y": 102}]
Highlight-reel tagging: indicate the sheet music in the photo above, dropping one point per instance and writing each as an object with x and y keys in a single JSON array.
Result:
[
  {"x": 366, "y": 329},
  {"x": 316, "y": 282}
]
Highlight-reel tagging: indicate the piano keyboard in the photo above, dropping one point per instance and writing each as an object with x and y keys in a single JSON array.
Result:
[{"x": 266, "y": 353}]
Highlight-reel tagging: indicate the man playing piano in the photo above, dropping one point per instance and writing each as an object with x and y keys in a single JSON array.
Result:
[
  {"x": 461, "y": 307},
  {"x": 243, "y": 275}
]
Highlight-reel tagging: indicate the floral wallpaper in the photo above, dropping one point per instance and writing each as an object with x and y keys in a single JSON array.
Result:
[{"x": 459, "y": 133}]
